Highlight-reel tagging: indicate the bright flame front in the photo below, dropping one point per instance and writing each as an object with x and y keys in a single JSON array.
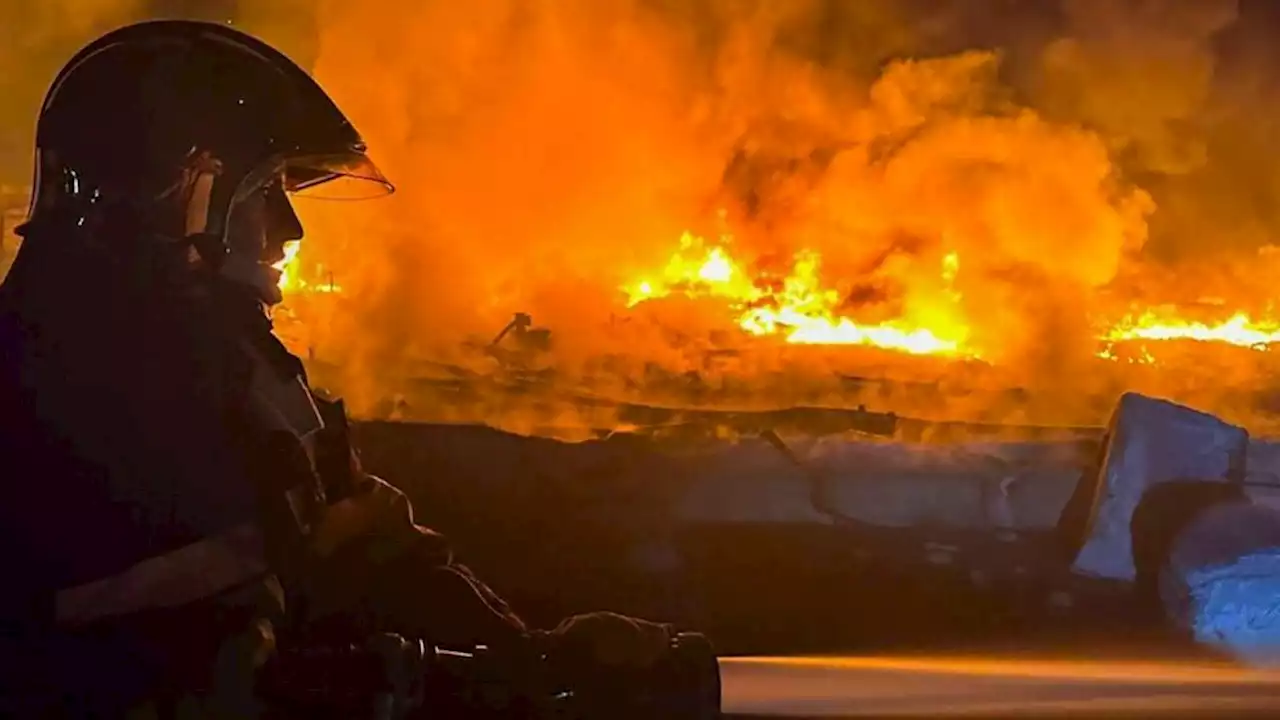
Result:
[
  {"x": 1239, "y": 330},
  {"x": 798, "y": 306}
]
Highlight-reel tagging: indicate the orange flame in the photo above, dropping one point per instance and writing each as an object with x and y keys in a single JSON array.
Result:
[
  {"x": 291, "y": 280},
  {"x": 802, "y": 310},
  {"x": 1239, "y": 330},
  {"x": 288, "y": 266}
]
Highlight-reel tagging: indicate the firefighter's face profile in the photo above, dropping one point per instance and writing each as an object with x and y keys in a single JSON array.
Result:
[{"x": 263, "y": 223}]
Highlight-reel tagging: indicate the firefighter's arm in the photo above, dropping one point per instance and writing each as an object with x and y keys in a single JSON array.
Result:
[
  {"x": 363, "y": 508},
  {"x": 371, "y": 535},
  {"x": 380, "y": 518},
  {"x": 360, "y": 543}
]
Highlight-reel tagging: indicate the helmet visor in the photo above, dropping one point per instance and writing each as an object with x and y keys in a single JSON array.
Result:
[
  {"x": 346, "y": 176},
  {"x": 337, "y": 176}
]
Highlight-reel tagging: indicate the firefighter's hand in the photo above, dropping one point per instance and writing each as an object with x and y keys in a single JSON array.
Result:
[
  {"x": 381, "y": 517},
  {"x": 610, "y": 639}
]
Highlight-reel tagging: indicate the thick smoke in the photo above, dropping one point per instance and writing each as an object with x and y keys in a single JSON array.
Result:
[
  {"x": 1076, "y": 156},
  {"x": 548, "y": 152},
  {"x": 1138, "y": 73}
]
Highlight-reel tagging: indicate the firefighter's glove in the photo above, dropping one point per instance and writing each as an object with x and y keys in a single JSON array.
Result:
[{"x": 610, "y": 639}]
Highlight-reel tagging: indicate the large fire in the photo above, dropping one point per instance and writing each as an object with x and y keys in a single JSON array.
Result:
[
  {"x": 1013, "y": 211},
  {"x": 774, "y": 204}
]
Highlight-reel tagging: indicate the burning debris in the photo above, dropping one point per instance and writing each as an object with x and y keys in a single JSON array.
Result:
[{"x": 789, "y": 303}]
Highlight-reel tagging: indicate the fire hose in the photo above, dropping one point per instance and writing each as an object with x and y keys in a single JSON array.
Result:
[{"x": 389, "y": 677}]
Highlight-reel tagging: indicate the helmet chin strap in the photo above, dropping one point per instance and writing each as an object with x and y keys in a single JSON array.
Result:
[{"x": 200, "y": 192}]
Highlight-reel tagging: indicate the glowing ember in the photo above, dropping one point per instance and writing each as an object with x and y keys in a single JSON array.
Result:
[{"x": 800, "y": 308}]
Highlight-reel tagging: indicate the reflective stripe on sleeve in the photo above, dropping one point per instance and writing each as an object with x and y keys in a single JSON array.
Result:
[{"x": 188, "y": 574}]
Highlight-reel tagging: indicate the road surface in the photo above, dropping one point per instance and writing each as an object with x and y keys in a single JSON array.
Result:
[{"x": 1008, "y": 686}]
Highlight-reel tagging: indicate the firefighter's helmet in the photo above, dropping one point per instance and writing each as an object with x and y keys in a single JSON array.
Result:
[{"x": 179, "y": 122}]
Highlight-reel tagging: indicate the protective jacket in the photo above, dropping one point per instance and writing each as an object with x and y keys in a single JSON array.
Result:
[{"x": 171, "y": 505}]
